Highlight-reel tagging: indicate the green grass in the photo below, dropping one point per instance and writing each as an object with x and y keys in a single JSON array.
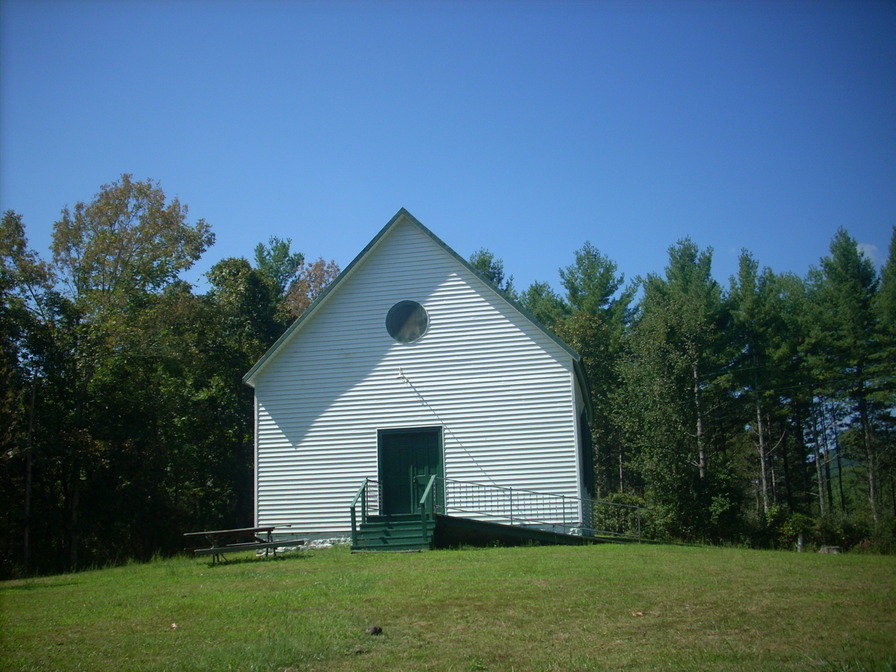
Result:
[{"x": 539, "y": 608}]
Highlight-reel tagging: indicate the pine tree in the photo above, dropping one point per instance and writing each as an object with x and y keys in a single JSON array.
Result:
[{"x": 844, "y": 342}]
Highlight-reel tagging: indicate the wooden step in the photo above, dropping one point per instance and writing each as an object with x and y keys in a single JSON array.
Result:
[{"x": 392, "y": 533}]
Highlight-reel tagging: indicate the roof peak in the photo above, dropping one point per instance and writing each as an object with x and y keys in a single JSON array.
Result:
[{"x": 404, "y": 214}]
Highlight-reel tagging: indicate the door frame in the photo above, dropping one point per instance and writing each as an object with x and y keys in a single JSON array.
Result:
[{"x": 436, "y": 430}]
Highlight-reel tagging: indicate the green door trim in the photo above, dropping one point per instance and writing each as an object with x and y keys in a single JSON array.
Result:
[{"x": 407, "y": 458}]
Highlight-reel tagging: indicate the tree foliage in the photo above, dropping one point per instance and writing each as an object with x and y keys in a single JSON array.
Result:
[
  {"x": 592, "y": 282},
  {"x": 278, "y": 262},
  {"x": 544, "y": 304},
  {"x": 126, "y": 242},
  {"x": 100, "y": 353},
  {"x": 311, "y": 281},
  {"x": 125, "y": 421},
  {"x": 730, "y": 413},
  {"x": 492, "y": 269},
  {"x": 670, "y": 402}
]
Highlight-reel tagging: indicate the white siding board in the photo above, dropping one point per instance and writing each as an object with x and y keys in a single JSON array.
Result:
[{"x": 503, "y": 391}]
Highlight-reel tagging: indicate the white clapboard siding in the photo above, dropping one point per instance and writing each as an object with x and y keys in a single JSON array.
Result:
[{"x": 503, "y": 391}]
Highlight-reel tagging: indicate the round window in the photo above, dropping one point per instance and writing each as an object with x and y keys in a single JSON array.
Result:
[{"x": 407, "y": 321}]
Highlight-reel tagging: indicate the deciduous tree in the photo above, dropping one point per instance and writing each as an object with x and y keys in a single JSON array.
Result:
[
  {"x": 312, "y": 280},
  {"x": 671, "y": 362},
  {"x": 127, "y": 241}
]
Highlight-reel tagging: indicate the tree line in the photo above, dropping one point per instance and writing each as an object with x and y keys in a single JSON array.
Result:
[
  {"x": 751, "y": 413},
  {"x": 123, "y": 418},
  {"x": 761, "y": 413}
]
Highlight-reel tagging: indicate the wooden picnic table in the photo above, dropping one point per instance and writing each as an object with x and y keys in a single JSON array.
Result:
[
  {"x": 216, "y": 537},
  {"x": 240, "y": 539}
]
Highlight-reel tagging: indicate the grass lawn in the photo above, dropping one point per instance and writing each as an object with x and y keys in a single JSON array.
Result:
[{"x": 538, "y": 608}]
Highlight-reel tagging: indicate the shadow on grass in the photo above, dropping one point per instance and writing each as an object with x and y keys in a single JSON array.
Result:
[
  {"x": 248, "y": 559},
  {"x": 39, "y": 585}
]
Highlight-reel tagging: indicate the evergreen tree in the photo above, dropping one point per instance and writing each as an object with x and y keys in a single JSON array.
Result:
[
  {"x": 844, "y": 341},
  {"x": 544, "y": 304},
  {"x": 599, "y": 312},
  {"x": 278, "y": 262},
  {"x": 492, "y": 269},
  {"x": 885, "y": 392},
  {"x": 756, "y": 336}
]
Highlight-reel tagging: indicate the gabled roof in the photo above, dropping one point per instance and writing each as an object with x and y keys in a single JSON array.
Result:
[{"x": 404, "y": 216}]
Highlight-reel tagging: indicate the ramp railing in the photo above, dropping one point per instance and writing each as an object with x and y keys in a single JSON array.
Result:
[
  {"x": 529, "y": 508},
  {"x": 507, "y": 505}
]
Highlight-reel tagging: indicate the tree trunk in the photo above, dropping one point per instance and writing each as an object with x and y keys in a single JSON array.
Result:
[
  {"x": 74, "y": 493},
  {"x": 763, "y": 458},
  {"x": 621, "y": 461},
  {"x": 870, "y": 454},
  {"x": 773, "y": 476},
  {"x": 822, "y": 508},
  {"x": 788, "y": 486},
  {"x": 29, "y": 471},
  {"x": 819, "y": 439},
  {"x": 893, "y": 492},
  {"x": 843, "y": 509},
  {"x": 701, "y": 448},
  {"x": 827, "y": 476}
]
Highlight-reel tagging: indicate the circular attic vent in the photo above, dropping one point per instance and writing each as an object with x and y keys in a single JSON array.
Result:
[{"x": 407, "y": 321}]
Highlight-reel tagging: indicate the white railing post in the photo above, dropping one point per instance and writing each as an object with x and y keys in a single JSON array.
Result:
[{"x": 563, "y": 504}]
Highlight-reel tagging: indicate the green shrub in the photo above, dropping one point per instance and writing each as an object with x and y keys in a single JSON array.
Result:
[
  {"x": 844, "y": 531},
  {"x": 794, "y": 527}
]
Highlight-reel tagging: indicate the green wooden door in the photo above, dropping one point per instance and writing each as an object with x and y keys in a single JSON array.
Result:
[{"x": 408, "y": 459}]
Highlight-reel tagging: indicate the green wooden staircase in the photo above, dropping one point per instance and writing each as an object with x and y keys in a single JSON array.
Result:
[{"x": 394, "y": 533}]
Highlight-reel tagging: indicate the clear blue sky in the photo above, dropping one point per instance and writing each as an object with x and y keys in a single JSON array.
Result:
[{"x": 523, "y": 127}]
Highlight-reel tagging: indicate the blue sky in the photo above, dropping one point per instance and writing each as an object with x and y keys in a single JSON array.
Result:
[{"x": 526, "y": 128}]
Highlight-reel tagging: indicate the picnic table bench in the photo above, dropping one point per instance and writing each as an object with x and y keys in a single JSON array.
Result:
[{"x": 240, "y": 539}]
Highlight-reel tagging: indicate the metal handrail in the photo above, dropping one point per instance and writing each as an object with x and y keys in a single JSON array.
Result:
[
  {"x": 362, "y": 496},
  {"x": 428, "y": 493}
]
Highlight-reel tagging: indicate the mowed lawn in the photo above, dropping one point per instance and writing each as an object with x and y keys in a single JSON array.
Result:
[{"x": 537, "y": 608}]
